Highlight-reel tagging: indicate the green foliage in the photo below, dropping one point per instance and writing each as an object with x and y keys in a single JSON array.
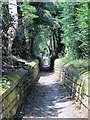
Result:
[
  {"x": 28, "y": 13},
  {"x": 75, "y": 29},
  {"x": 5, "y": 18},
  {"x": 41, "y": 39},
  {"x": 82, "y": 34},
  {"x": 66, "y": 22},
  {"x": 76, "y": 63}
]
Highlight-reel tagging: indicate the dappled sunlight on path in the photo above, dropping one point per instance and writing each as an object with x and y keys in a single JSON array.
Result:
[{"x": 49, "y": 98}]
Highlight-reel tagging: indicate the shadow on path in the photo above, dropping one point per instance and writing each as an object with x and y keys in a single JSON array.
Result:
[{"x": 49, "y": 98}]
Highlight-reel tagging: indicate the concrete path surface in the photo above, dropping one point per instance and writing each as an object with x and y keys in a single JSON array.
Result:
[{"x": 50, "y": 99}]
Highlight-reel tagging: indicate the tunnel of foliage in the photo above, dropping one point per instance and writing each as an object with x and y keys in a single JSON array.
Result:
[{"x": 46, "y": 29}]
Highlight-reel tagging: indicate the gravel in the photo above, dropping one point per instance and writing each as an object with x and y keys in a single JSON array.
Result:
[{"x": 50, "y": 99}]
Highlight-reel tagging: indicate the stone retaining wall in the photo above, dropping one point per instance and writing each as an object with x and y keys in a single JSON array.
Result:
[
  {"x": 21, "y": 82},
  {"x": 76, "y": 81}
]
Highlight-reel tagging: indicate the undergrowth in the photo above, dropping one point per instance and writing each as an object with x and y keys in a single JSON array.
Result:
[{"x": 78, "y": 63}]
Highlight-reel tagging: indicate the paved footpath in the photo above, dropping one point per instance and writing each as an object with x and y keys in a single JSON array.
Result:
[{"x": 50, "y": 99}]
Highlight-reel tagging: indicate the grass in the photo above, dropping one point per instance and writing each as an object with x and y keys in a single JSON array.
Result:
[{"x": 79, "y": 63}]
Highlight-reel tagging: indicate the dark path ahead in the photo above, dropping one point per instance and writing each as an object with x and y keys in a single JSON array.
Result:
[{"x": 49, "y": 98}]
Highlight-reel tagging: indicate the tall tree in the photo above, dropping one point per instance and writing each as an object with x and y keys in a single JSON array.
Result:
[{"x": 12, "y": 5}]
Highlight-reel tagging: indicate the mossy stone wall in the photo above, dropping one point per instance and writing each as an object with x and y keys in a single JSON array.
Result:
[
  {"x": 76, "y": 80},
  {"x": 21, "y": 82}
]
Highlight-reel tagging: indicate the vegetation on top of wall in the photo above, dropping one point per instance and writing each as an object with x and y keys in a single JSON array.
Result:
[
  {"x": 76, "y": 63},
  {"x": 51, "y": 29},
  {"x": 12, "y": 77},
  {"x": 80, "y": 65}
]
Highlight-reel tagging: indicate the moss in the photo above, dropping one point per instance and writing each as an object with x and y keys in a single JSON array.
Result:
[
  {"x": 75, "y": 78},
  {"x": 12, "y": 78},
  {"x": 2, "y": 90},
  {"x": 32, "y": 64},
  {"x": 87, "y": 73}
]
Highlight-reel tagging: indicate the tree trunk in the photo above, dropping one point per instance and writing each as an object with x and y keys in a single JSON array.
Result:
[
  {"x": 54, "y": 46},
  {"x": 12, "y": 5},
  {"x": 31, "y": 47}
]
